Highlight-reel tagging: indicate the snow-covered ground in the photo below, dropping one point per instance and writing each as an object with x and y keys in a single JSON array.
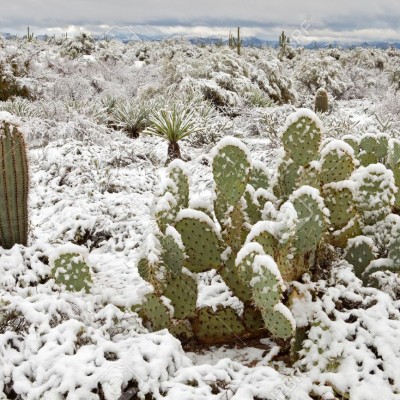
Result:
[{"x": 94, "y": 186}]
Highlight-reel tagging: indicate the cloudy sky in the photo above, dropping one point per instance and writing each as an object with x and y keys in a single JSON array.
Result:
[{"x": 303, "y": 20}]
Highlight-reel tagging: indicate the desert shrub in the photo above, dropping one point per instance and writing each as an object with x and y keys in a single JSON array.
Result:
[
  {"x": 315, "y": 72},
  {"x": 82, "y": 44}
]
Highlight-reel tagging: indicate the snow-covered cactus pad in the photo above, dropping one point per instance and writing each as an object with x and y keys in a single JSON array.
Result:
[
  {"x": 374, "y": 189},
  {"x": 287, "y": 177},
  {"x": 214, "y": 326},
  {"x": 14, "y": 183},
  {"x": 353, "y": 142},
  {"x": 359, "y": 253},
  {"x": 177, "y": 172},
  {"x": 373, "y": 148},
  {"x": 260, "y": 176},
  {"x": 70, "y": 269},
  {"x": 231, "y": 170},
  {"x": 312, "y": 218},
  {"x": 337, "y": 161},
  {"x": 302, "y": 136},
  {"x": 338, "y": 198},
  {"x": 201, "y": 241}
]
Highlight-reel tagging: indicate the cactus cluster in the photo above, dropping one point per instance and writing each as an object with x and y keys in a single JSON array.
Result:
[
  {"x": 14, "y": 183},
  {"x": 263, "y": 231}
]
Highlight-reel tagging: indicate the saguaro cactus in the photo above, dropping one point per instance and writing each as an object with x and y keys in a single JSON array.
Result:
[{"x": 14, "y": 183}]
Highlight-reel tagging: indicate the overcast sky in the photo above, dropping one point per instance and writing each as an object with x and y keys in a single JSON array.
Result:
[{"x": 305, "y": 20}]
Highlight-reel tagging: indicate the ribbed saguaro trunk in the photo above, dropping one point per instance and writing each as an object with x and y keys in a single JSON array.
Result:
[{"x": 14, "y": 184}]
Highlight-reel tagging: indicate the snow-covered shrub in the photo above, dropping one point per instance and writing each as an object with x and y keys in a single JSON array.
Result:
[
  {"x": 321, "y": 71},
  {"x": 223, "y": 78},
  {"x": 80, "y": 45}
]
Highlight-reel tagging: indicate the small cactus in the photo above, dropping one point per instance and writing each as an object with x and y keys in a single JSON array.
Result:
[{"x": 321, "y": 102}]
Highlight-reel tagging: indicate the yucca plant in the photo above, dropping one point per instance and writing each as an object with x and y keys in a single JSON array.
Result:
[
  {"x": 173, "y": 125},
  {"x": 131, "y": 116}
]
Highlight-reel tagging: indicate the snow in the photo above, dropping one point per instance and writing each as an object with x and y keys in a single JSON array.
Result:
[
  {"x": 95, "y": 188},
  {"x": 303, "y": 113}
]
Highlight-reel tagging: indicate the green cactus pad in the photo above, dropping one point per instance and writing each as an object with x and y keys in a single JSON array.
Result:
[
  {"x": 200, "y": 240},
  {"x": 311, "y": 215},
  {"x": 234, "y": 230},
  {"x": 177, "y": 173},
  {"x": 245, "y": 259},
  {"x": 353, "y": 142},
  {"x": 229, "y": 274},
  {"x": 261, "y": 234},
  {"x": 279, "y": 321},
  {"x": 379, "y": 265},
  {"x": 231, "y": 169},
  {"x": 287, "y": 178},
  {"x": 252, "y": 319},
  {"x": 267, "y": 284},
  {"x": 166, "y": 211},
  {"x": 217, "y": 327},
  {"x": 338, "y": 198},
  {"x": 70, "y": 269},
  {"x": 181, "y": 330},
  {"x": 252, "y": 210},
  {"x": 359, "y": 253},
  {"x": 154, "y": 312},
  {"x": 309, "y": 176},
  {"x": 259, "y": 177},
  {"x": 337, "y": 161},
  {"x": 374, "y": 192},
  {"x": 373, "y": 148},
  {"x": 182, "y": 291},
  {"x": 340, "y": 237},
  {"x": 172, "y": 254},
  {"x": 14, "y": 183},
  {"x": 301, "y": 137}
]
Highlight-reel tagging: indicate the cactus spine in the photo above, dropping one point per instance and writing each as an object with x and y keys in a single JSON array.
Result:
[{"x": 14, "y": 184}]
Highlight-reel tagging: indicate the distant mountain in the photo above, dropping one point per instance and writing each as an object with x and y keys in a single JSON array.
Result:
[{"x": 252, "y": 41}]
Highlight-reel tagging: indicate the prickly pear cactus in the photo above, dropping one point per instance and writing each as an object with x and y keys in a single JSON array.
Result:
[
  {"x": 178, "y": 174},
  {"x": 14, "y": 183},
  {"x": 231, "y": 170},
  {"x": 338, "y": 198},
  {"x": 69, "y": 268},
  {"x": 312, "y": 218},
  {"x": 302, "y": 136},
  {"x": 337, "y": 162},
  {"x": 359, "y": 253},
  {"x": 373, "y": 148},
  {"x": 201, "y": 241},
  {"x": 373, "y": 192}
]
